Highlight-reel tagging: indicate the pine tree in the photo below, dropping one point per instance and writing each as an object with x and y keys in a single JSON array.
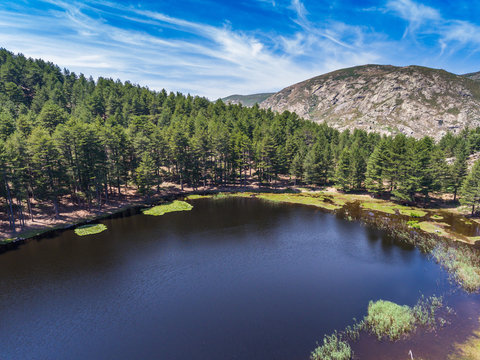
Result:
[
  {"x": 358, "y": 166},
  {"x": 375, "y": 175},
  {"x": 342, "y": 173},
  {"x": 470, "y": 190},
  {"x": 458, "y": 170}
]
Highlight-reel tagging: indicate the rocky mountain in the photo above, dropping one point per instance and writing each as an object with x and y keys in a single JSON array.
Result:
[
  {"x": 413, "y": 100},
  {"x": 247, "y": 100},
  {"x": 473, "y": 76}
]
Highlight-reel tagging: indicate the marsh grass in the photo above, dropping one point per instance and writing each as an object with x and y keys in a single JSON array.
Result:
[
  {"x": 313, "y": 199},
  {"x": 387, "y": 319},
  {"x": 167, "y": 208},
  {"x": 90, "y": 229},
  {"x": 334, "y": 347},
  {"x": 462, "y": 263}
]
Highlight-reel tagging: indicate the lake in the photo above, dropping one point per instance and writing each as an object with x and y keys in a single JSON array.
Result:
[{"x": 234, "y": 278}]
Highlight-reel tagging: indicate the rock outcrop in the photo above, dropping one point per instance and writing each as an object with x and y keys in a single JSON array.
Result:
[{"x": 413, "y": 100}]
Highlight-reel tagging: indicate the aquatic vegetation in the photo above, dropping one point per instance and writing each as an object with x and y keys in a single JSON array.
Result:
[
  {"x": 469, "y": 350},
  {"x": 462, "y": 262},
  {"x": 196, "y": 196},
  {"x": 333, "y": 348},
  {"x": 413, "y": 213},
  {"x": 436, "y": 217},
  {"x": 167, "y": 208},
  {"x": 387, "y": 319},
  {"x": 387, "y": 208},
  {"x": 413, "y": 224},
  {"x": 90, "y": 229},
  {"x": 391, "y": 208},
  {"x": 433, "y": 227},
  {"x": 302, "y": 198}
]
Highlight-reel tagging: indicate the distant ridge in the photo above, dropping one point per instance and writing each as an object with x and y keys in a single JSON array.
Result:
[
  {"x": 473, "y": 76},
  {"x": 413, "y": 100},
  {"x": 247, "y": 100}
]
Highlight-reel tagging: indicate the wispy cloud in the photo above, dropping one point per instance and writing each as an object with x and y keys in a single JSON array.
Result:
[
  {"x": 423, "y": 20},
  {"x": 212, "y": 58},
  {"x": 416, "y": 14},
  {"x": 215, "y": 61}
]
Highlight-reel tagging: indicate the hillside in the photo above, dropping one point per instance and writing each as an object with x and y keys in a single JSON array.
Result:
[
  {"x": 473, "y": 76},
  {"x": 247, "y": 100},
  {"x": 413, "y": 100}
]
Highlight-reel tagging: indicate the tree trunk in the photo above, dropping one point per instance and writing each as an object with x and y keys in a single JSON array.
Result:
[
  {"x": 29, "y": 205},
  {"x": 11, "y": 217}
]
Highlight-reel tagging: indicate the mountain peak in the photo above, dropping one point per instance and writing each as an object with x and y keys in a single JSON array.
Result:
[{"x": 413, "y": 100}]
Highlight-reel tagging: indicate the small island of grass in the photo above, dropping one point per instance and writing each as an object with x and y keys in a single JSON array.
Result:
[
  {"x": 90, "y": 229},
  {"x": 167, "y": 208}
]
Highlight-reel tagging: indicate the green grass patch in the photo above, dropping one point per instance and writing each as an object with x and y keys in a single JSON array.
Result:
[
  {"x": 196, "y": 196},
  {"x": 413, "y": 224},
  {"x": 412, "y": 213},
  {"x": 436, "y": 217},
  {"x": 333, "y": 348},
  {"x": 313, "y": 199},
  {"x": 386, "y": 319},
  {"x": 391, "y": 208},
  {"x": 90, "y": 229},
  {"x": 384, "y": 207},
  {"x": 167, "y": 208},
  {"x": 433, "y": 227}
]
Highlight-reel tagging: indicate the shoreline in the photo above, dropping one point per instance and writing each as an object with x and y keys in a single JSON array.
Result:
[{"x": 332, "y": 202}]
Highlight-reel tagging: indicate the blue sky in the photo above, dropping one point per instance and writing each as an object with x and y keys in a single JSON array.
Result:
[{"x": 219, "y": 48}]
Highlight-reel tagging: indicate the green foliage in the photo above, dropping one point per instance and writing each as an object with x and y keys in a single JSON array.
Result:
[
  {"x": 68, "y": 135},
  {"x": 393, "y": 321},
  {"x": 413, "y": 224},
  {"x": 167, "y": 208},
  {"x": 90, "y": 229},
  {"x": 333, "y": 348},
  {"x": 462, "y": 262},
  {"x": 387, "y": 319},
  {"x": 470, "y": 190}
]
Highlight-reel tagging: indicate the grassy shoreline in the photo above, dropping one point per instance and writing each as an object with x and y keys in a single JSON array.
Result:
[{"x": 330, "y": 201}]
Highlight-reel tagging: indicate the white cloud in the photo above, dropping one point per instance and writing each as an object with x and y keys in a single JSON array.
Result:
[
  {"x": 217, "y": 61},
  {"x": 413, "y": 12}
]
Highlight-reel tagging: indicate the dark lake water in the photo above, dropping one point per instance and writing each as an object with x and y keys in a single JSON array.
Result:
[{"x": 231, "y": 279}]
